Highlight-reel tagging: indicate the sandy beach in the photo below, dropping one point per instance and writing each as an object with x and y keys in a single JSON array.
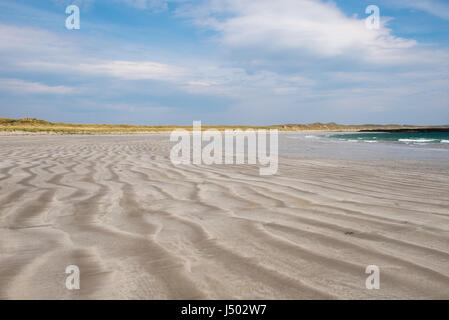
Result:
[{"x": 139, "y": 227}]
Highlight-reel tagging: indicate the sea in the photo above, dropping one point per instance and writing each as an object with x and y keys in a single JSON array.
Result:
[
  {"x": 422, "y": 146},
  {"x": 418, "y": 138}
]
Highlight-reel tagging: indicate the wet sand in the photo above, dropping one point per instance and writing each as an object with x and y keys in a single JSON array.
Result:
[{"x": 139, "y": 227}]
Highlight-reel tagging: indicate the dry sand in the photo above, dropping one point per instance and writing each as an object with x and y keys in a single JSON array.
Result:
[{"x": 140, "y": 228}]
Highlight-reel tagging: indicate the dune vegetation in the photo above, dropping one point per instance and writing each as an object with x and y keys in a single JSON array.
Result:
[{"x": 34, "y": 125}]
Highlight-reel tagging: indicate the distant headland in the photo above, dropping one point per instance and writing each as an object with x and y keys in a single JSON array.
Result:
[{"x": 33, "y": 125}]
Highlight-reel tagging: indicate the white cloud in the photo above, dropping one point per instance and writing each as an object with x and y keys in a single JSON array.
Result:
[
  {"x": 135, "y": 70},
  {"x": 22, "y": 86},
  {"x": 303, "y": 26},
  {"x": 34, "y": 49},
  {"x": 31, "y": 41}
]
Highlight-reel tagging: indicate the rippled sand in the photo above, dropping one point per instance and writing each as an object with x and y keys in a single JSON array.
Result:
[{"x": 140, "y": 228}]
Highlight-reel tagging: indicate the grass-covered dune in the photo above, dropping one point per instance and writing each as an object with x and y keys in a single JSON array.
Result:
[{"x": 42, "y": 126}]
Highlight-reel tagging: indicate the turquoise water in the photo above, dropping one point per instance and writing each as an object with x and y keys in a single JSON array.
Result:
[
  {"x": 419, "y": 138},
  {"x": 427, "y": 147}
]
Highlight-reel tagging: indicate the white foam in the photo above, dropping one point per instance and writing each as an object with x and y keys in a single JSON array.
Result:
[
  {"x": 416, "y": 140},
  {"x": 444, "y": 141}
]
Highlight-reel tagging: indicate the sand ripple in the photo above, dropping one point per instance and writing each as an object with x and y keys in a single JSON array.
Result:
[{"x": 140, "y": 228}]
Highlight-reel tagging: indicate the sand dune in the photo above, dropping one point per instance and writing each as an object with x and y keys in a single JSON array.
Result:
[{"x": 139, "y": 227}]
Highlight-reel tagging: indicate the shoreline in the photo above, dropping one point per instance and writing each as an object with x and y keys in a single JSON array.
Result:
[
  {"x": 280, "y": 131},
  {"x": 44, "y": 133}
]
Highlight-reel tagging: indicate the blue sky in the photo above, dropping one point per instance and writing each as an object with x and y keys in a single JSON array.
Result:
[{"x": 225, "y": 62}]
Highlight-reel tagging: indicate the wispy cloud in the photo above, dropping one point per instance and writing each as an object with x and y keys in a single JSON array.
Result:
[
  {"x": 24, "y": 87},
  {"x": 136, "y": 70},
  {"x": 435, "y": 7}
]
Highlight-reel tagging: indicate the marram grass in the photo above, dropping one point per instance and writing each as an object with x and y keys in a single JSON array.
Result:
[{"x": 42, "y": 126}]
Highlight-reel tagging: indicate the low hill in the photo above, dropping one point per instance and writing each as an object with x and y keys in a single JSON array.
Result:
[{"x": 38, "y": 125}]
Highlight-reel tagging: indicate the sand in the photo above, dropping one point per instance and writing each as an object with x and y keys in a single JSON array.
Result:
[{"x": 139, "y": 227}]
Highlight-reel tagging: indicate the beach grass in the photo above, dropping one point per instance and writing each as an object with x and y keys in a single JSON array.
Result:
[{"x": 34, "y": 125}]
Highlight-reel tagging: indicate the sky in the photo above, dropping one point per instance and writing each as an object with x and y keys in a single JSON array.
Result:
[{"x": 255, "y": 62}]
